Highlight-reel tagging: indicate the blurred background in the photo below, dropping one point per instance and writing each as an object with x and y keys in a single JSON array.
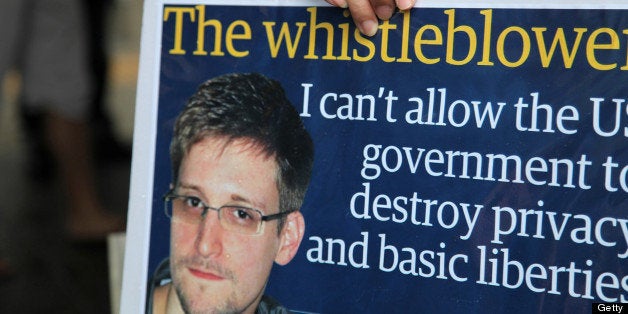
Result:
[{"x": 42, "y": 268}]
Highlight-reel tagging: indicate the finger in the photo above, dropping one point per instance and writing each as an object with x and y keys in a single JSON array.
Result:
[
  {"x": 338, "y": 3},
  {"x": 384, "y": 9},
  {"x": 405, "y": 4},
  {"x": 364, "y": 16}
]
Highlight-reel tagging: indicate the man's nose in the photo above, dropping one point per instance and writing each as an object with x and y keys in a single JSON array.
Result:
[{"x": 209, "y": 236}]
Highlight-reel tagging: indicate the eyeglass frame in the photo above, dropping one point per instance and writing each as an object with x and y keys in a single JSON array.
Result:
[{"x": 168, "y": 197}]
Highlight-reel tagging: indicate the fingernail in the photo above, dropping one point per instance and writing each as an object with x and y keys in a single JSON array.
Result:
[
  {"x": 342, "y": 3},
  {"x": 368, "y": 27},
  {"x": 405, "y": 4},
  {"x": 384, "y": 12}
]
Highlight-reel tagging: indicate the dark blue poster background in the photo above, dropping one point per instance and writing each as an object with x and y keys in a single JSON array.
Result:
[{"x": 456, "y": 169}]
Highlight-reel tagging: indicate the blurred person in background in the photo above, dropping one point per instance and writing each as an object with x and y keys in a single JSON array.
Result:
[
  {"x": 105, "y": 145},
  {"x": 46, "y": 42}
]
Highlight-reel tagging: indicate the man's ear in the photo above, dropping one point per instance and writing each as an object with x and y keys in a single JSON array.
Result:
[{"x": 290, "y": 237}]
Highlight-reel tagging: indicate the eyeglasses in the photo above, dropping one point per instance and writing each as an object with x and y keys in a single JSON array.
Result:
[{"x": 190, "y": 209}]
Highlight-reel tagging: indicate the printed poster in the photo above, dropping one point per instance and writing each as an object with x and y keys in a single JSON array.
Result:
[{"x": 468, "y": 158}]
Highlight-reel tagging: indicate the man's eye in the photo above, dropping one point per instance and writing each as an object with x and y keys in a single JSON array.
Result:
[
  {"x": 193, "y": 202},
  {"x": 242, "y": 214}
]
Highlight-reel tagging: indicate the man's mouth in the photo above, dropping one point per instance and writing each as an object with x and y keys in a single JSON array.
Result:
[{"x": 206, "y": 275}]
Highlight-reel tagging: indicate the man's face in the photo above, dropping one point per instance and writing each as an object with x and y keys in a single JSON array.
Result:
[{"x": 215, "y": 270}]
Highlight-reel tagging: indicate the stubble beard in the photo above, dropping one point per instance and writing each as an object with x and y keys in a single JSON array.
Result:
[{"x": 226, "y": 306}]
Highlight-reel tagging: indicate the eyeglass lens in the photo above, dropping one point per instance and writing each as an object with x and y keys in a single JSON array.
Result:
[{"x": 237, "y": 219}]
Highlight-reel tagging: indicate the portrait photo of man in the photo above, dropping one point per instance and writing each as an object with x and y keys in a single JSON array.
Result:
[{"x": 241, "y": 164}]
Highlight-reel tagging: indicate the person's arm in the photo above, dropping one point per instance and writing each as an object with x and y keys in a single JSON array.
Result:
[{"x": 365, "y": 13}]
